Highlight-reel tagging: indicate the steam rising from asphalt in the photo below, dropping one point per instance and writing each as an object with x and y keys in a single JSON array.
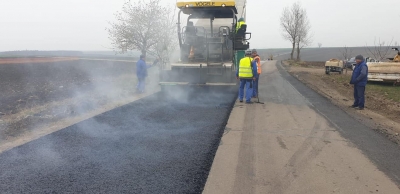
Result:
[
  {"x": 145, "y": 131},
  {"x": 82, "y": 86}
]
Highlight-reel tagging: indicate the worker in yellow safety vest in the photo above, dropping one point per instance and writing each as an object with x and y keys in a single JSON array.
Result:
[
  {"x": 239, "y": 24},
  {"x": 246, "y": 74},
  {"x": 257, "y": 59}
]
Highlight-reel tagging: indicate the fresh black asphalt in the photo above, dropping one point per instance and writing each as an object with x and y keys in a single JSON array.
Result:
[{"x": 154, "y": 145}]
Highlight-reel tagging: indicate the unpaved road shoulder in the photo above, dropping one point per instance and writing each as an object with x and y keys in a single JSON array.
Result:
[{"x": 381, "y": 114}]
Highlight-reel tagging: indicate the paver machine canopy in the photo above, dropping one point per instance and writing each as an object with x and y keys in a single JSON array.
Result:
[{"x": 208, "y": 43}]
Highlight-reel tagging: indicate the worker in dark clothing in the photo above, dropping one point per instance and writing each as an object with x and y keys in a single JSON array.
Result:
[
  {"x": 359, "y": 79},
  {"x": 246, "y": 73},
  {"x": 141, "y": 73}
]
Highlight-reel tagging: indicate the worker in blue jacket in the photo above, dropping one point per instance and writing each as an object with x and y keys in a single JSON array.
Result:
[
  {"x": 141, "y": 72},
  {"x": 359, "y": 79},
  {"x": 246, "y": 73}
]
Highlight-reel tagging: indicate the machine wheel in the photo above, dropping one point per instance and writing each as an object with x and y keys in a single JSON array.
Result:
[{"x": 327, "y": 70}]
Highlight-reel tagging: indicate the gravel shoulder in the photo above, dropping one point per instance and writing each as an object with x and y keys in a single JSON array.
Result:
[{"x": 382, "y": 111}]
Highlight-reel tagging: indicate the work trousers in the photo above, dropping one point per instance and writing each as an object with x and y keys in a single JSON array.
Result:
[
  {"x": 359, "y": 96},
  {"x": 255, "y": 86},
  {"x": 248, "y": 84},
  {"x": 141, "y": 84}
]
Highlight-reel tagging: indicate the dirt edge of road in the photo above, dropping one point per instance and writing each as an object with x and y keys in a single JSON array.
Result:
[{"x": 373, "y": 116}]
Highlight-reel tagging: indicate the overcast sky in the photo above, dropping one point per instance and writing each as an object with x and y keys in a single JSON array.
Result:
[{"x": 80, "y": 24}]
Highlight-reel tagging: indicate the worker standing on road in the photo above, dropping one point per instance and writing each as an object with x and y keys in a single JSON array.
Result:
[
  {"x": 359, "y": 79},
  {"x": 257, "y": 59},
  {"x": 239, "y": 24},
  {"x": 246, "y": 73},
  {"x": 141, "y": 73}
]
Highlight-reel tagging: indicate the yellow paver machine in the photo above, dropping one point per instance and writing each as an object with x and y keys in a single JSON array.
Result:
[{"x": 210, "y": 45}]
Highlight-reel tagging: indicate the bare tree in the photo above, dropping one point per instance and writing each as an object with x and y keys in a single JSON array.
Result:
[
  {"x": 380, "y": 50},
  {"x": 296, "y": 27},
  {"x": 144, "y": 26},
  {"x": 304, "y": 38},
  {"x": 289, "y": 22},
  {"x": 167, "y": 42},
  {"x": 319, "y": 45},
  {"x": 346, "y": 52}
]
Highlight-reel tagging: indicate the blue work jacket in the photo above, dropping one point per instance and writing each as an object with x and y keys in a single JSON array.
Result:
[
  {"x": 360, "y": 75},
  {"x": 141, "y": 69}
]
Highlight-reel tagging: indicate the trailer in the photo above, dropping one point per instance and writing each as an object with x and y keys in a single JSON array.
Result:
[{"x": 334, "y": 65}]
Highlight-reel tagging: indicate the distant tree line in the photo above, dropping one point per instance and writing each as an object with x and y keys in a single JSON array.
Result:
[{"x": 28, "y": 53}]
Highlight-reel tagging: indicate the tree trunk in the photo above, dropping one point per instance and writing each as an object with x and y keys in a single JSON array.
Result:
[
  {"x": 298, "y": 51},
  {"x": 291, "y": 54},
  {"x": 144, "y": 48}
]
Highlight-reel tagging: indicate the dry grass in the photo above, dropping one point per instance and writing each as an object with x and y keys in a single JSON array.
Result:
[
  {"x": 386, "y": 91},
  {"x": 312, "y": 64}
]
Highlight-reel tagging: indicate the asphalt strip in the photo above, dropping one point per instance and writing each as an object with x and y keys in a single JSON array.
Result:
[
  {"x": 153, "y": 145},
  {"x": 384, "y": 153}
]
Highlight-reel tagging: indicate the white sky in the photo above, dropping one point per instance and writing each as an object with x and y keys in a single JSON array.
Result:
[{"x": 80, "y": 24}]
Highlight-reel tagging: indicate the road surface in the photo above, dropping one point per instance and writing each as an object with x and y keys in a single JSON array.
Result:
[
  {"x": 298, "y": 142},
  {"x": 154, "y": 145}
]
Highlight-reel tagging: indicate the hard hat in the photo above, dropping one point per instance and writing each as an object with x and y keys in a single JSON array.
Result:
[
  {"x": 241, "y": 20},
  {"x": 254, "y": 51},
  {"x": 248, "y": 52}
]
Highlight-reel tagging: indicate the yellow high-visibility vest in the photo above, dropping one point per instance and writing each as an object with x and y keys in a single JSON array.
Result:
[
  {"x": 245, "y": 69},
  {"x": 239, "y": 24}
]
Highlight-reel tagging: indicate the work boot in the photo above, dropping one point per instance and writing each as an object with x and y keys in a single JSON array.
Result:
[
  {"x": 360, "y": 108},
  {"x": 353, "y": 106}
]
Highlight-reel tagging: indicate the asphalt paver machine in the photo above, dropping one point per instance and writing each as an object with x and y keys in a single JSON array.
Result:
[{"x": 210, "y": 46}]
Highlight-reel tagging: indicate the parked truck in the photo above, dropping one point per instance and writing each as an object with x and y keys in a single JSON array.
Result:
[
  {"x": 385, "y": 71},
  {"x": 334, "y": 65}
]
